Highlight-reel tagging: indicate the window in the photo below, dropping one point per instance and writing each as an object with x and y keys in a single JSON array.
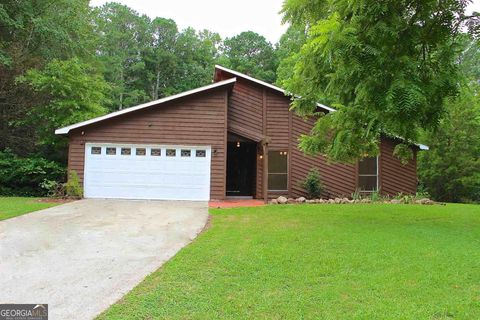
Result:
[
  {"x": 171, "y": 152},
  {"x": 96, "y": 150},
  {"x": 126, "y": 151},
  {"x": 140, "y": 151},
  {"x": 200, "y": 153},
  {"x": 185, "y": 153},
  {"x": 111, "y": 151},
  {"x": 155, "y": 152},
  {"x": 277, "y": 171},
  {"x": 368, "y": 174}
]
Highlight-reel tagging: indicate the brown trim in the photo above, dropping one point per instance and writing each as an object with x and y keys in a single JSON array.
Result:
[
  {"x": 265, "y": 172},
  {"x": 225, "y": 141},
  {"x": 244, "y": 132},
  {"x": 289, "y": 164},
  {"x": 379, "y": 170}
]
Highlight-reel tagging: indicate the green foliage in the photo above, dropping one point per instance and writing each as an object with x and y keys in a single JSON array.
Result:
[
  {"x": 73, "y": 186},
  {"x": 53, "y": 188},
  {"x": 147, "y": 59},
  {"x": 26, "y": 176},
  {"x": 450, "y": 170},
  {"x": 386, "y": 65},
  {"x": 252, "y": 54},
  {"x": 65, "y": 92},
  {"x": 287, "y": 51},
  {"x": 32, "y": 33},
  {"x": 313, "y": 184}
]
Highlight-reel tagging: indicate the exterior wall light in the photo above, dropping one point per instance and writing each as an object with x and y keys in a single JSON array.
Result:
[{"x": 238, "y": 144}]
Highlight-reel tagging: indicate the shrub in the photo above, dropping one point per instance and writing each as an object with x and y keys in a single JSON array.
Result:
[
  {"x": 25, "y": 176},
  {"x": 312, "y": 184},
  {"x": 73, "y": 186}
]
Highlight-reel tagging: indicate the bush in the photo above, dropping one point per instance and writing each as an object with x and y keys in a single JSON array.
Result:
[
  {"x": 26, "y": 176},
  {"x": 73, "y": 186},
  {"x": 312, "y": 184}
]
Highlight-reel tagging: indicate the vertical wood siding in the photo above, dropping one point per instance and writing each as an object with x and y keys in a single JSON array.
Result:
[{"x": 197, "y": 120}]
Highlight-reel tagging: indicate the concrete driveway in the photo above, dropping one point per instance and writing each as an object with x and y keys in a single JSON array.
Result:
[{"x": 83, "y": 256}]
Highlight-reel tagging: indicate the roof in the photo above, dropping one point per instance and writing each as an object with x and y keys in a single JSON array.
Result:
[
  {"x": 67, "y": 129},
  {"x": 271, "y": 86},
  {"x": 266, "y": 84}
]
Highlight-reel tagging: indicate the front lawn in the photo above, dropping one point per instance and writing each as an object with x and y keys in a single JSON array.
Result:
[
  {"x": 15, "y": 206},
  {"x": 320, "y": 262}
]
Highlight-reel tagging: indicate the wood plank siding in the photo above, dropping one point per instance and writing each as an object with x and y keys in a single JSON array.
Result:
[
  {"x": 283, "y": 127},
  {"x": 253, "y": 110},
  {"x": 394, "y": 176},
  {"x": 194, "y": 120}
]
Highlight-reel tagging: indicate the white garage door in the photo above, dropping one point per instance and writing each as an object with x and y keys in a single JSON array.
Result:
[{"x": 147, "y": 172}]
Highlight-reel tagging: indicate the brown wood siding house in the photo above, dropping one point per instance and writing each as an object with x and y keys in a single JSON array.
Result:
[{"x": 253, "y": 141}]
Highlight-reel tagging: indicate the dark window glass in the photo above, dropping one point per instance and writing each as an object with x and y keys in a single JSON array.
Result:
[
  {"x": 111, "y": 151},
  {"x": 368, "y": 166},
  {"x": 96, "y": 150},
  {"x": 367, "y": 183},
  {"x": 185, "y": 153},
  {"x": 277, "y": 170},
  {"x": 126, "y": 151},
  {"x": 171, "y": 152},
  {"x": 200, "y": 153},
  {"x": 140, "y": 151},
  {"x": 155, "y": 152},
  {"x": 367, "y": 174}
]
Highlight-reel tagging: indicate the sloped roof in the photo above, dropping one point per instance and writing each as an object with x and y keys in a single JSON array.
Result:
[
  {"x": 265, "y": 84},
  {"x": 271, "y": 86},
  {"x": 66, "y": 130}
]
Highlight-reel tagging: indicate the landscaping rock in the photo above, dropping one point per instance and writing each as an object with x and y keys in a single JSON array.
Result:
[
  {"x": 396, "y": 201},
  {"x": 337, "y": 200},
  {"x": 274, "y": 201},
  {"x": 345, "y": 200},
  {"x": 331, "y": 201},
  {"x": 291, "y": 200},
  {"x": 309, "y": 201},
  {"x": 282, "y": 200},
  {"x": 366, "y": 200},
  {"x": 301, "y": 199}
]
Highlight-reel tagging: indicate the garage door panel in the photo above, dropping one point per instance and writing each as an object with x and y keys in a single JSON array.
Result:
[{"x": 147, "y": 176}]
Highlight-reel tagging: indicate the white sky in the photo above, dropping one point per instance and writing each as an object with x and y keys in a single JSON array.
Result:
[{"x": 226, "y": 17}]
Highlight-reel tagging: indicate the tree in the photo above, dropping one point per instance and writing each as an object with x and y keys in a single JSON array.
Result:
[
  {"x": 123, "y": 36},
  {"x": 196, "y": 52},
  {"x": 450, "y": 170},
  {"x": 32, "y": 33},
  {"x": 160, "y": 58},
  {"x": 387, "y": 66},
  {"x": 252, "y": 54},
  {"x": 290, "y": 43},
  {"x": 64, "y": 92}
]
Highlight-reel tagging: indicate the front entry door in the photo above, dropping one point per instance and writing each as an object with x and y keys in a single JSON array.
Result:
[{"x": 241, "y": 158}]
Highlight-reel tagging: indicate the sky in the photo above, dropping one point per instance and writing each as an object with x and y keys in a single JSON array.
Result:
[{"x": 226, "y": 17}]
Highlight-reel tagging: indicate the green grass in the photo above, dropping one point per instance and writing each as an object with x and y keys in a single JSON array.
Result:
[
  {"x": 15, "y": 206},
  {"x": 320, "y": 262}
]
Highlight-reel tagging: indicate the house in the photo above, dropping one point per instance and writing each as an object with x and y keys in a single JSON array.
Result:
[{"x": 234, "y": 137}]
